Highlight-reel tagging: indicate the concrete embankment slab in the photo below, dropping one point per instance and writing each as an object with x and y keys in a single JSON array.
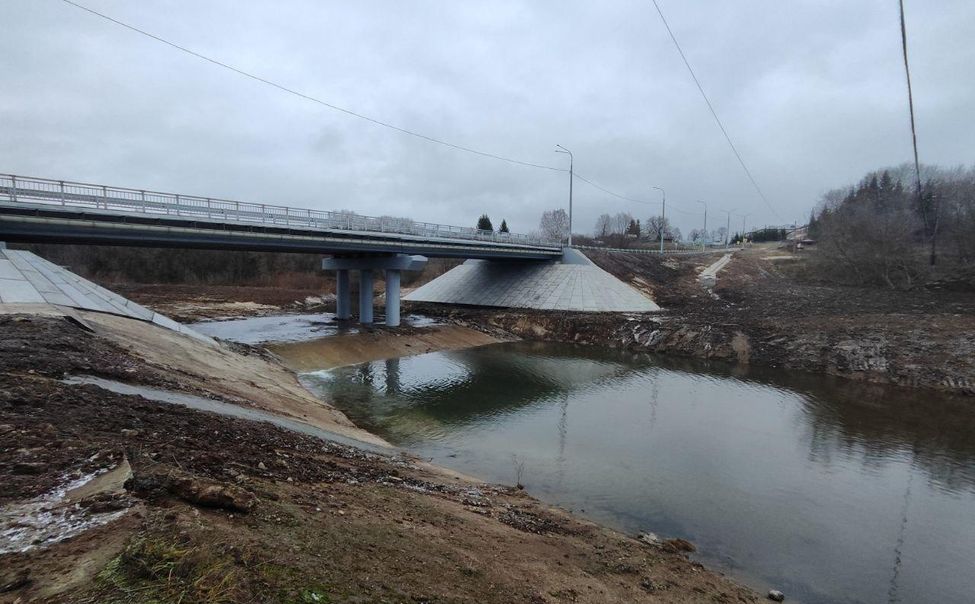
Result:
[
  {"x": 28, "y": 279},
  {"x": 710, "y": 274},
  {"x": 573, "y": 284}
]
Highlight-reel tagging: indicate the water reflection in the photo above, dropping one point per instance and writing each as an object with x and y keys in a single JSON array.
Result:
[
  {"x": 802, "y": 482},
  {"x": 458, "y": 389}
]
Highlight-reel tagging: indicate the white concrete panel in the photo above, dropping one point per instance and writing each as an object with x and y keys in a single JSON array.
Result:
[
  {"x": 577, "y": 286},
  {"x": 19, "y": 291},
  {"x": 29, "y": 279},
  {"x": 7, "y": 270}
]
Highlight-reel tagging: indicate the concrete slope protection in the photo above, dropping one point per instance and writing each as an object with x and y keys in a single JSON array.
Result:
[
  {"x": 709, "y": 276},
  {"x": 26, "y": 278},
  {"x": 574, "y": 283}
]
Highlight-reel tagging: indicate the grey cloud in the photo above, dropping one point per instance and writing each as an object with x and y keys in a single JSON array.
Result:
[{"x": 811, "y": 91}]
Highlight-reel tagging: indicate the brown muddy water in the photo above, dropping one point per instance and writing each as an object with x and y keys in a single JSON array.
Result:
[{"x": 828, "y": 490}]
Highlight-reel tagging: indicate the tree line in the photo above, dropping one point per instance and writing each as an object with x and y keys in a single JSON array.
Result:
[
  {"x": 204, "y": 267},
  {"x": 484, "y": 224},
  {"x": 885, "y": 231}
]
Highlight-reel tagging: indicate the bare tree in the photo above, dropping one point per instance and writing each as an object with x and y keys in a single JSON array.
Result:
[
  {"x": 621, "y": 223},
  {"x": 554, "y": 225},
  {"x": 603, "y": 226},
  {"x": 654, "y": 225}
]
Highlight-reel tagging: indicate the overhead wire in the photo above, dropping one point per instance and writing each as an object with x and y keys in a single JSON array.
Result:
[
  {"x": 714, "y": 113},
  {"x": 384, "y": 124},
  {"x": 632, "y": 199},
  {"x": 313, "y": 99}
]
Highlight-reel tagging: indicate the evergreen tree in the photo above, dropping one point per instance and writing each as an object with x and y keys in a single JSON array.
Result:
[
  {"x": 504, "y": 226},
  {"x": 633, "y": 229},
  {"x": 484, "y": 223}
]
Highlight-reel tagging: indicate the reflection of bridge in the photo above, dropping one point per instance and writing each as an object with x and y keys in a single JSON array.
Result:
[{"x": 40, "y": 210}]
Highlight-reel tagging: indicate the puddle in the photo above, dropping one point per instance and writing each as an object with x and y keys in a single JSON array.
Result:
[
  {"x": 290, "y": 328},
  {"x": 55, "y": 515},
  {"x": 221, "y": 408}
]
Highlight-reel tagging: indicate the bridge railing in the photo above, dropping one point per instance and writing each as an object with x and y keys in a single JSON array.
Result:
[
  {"x": 678, "y": 251},
  {"x": 32, "y": 190}
]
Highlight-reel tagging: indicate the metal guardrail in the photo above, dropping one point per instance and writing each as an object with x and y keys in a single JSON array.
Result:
[
  {"x": 683, "y": 251},
  {"x": 26, "y": 189}
]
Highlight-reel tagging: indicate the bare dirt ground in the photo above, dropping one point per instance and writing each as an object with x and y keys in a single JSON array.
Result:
[
  {"x": 216, "y": 509},
  {"x": 377, "y": 344},
  {"x": 759, "y": 314},
  {"x": 188, "y": 303}
]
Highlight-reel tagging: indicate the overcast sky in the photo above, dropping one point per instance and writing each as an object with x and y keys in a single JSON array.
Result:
[{"x": 811, "y": 91}]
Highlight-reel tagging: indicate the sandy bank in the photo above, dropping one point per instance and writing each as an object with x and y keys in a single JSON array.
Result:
[{"x": 375, "y": 345}]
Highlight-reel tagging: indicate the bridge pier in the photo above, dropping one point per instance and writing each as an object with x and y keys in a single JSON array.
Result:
[
  {"x": 392, "y": 297},
  {"x": 365, "y": 296},
  {"x": 343, "y": 295},
  {"x": 392, "y": 264}
]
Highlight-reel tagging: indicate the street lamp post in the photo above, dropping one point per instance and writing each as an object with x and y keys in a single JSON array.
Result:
[
  {"x": 663, "y": 216},
  {"x": 705, "y": 236},
  {"x": 562, "y": 149}
]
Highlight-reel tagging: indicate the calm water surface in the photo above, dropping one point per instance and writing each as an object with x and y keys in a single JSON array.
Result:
[
  {"x": 828, "y": 490},
  {"x": 289, "y": 328}
]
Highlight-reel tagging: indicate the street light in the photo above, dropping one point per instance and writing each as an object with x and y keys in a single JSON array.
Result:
[
  {"x": 705, "y": 237},
  {"x": 562, "y": 149},
  {"x": 663, "y": 217}
]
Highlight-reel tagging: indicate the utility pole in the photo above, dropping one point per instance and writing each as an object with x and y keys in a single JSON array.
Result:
[
  {"x": 727, "y": 229},
  {"x": 705, "y": 237},
  {"x": 562, "y": 149},
  {"x": 663, "y": 217},
  {"x": 743, "y": 217}
]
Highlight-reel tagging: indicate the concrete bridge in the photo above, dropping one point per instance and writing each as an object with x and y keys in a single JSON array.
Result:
[
  {"x": 40, "y": 210},
  {"x": 502, "y": 270}
]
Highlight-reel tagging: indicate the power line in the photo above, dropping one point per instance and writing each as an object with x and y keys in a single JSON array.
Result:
[
  {"x": 625, "y": 198},
  {"x": 714, "y": 113},
  {"x": 361, "y": 116},
  {"x": 307, "y": 97}
]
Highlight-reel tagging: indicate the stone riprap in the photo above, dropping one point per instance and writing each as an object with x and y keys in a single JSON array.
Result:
[
  {"x": 572, "y": 284},
  {"x": 26, "y": 278}
]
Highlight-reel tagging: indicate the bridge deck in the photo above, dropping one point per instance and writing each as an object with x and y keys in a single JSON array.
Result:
[{"x": 33, "y": 209}]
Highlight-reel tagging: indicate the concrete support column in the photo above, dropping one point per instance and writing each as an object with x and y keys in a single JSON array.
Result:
[
  {"x": 343, "y": 295},
  {"x": 392, "y": 298},
  {"x": 365, "y": 296}
]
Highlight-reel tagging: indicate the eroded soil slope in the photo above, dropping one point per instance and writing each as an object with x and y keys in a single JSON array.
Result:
[{"x": 226, "y": 510}]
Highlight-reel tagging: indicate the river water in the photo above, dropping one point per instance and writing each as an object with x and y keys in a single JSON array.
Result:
[{"x": 828, "y": 490}]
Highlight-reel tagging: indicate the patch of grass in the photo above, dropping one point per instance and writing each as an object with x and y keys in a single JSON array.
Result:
[
  {"x": 163, "y": 571},
  {"x": 313, "y": 595}
]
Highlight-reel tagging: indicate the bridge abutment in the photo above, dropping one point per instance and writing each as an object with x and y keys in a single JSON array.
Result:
[{"x": 366, "y": 264}]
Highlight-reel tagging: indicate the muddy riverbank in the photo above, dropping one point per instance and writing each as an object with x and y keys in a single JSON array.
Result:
[
  {"x": 225, "y": 509},
  {"x": 758, "y": 315}
]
